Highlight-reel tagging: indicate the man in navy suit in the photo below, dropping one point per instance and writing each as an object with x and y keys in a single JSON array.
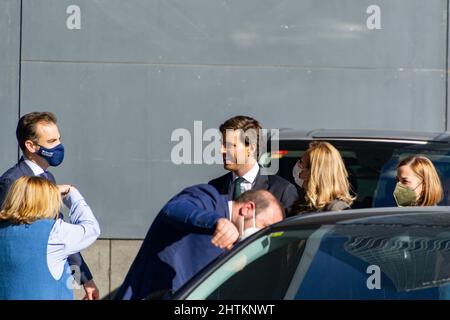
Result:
[
  {"x": 38, "y": 137},
  {"x": 190, "y": 231},
  {"x": 240, "y": 153}
]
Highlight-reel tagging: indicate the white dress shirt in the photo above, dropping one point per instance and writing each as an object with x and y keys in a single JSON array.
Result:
[
  {"x": 69, "y": 238},
  {"x": 34, "y": 167}
]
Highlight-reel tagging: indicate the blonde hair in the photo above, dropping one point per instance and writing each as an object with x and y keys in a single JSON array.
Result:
[
  {"x": 31, "y": 199},
  {"x": 328, "y": 179},
  {"x": 432, "y": 192}
]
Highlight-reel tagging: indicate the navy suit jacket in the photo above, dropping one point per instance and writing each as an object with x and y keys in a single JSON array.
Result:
[
  {"x": 177, "y": 245},
  {"x": 21, "y": 169},
  {"x": 282, "y": 189}
]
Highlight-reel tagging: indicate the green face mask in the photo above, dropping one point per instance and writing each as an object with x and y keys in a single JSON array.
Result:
[{"x": 404, "y": 196}]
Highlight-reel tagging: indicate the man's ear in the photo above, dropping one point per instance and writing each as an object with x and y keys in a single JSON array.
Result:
[
  {"x": 31, "y": 147},
  {"x": 251, "y": 149},
  {"x": 247, "y": 209}
]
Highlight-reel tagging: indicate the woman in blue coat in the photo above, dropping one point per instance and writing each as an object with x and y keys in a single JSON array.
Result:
[{"x": 35, "y": 243}]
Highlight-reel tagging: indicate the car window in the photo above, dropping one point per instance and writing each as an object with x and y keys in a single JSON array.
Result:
[
  {"x": 371, "y": 166},
  {"x": 439, "y": 154},
  {"x": 364, "y": 161},
  {"x": 344, "y": 261},
  {"x": 240, "y": 277}
]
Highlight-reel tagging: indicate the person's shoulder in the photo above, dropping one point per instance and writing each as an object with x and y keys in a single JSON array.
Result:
[
  {"x": 279, "y": 181},
  {"x": 337, "y": 205},
  {"x": 200, "y": 190},
  {"x": 220, "y": 180},
  {"x": 202, "y": 194},
  {"x": 12, "y": 173}
]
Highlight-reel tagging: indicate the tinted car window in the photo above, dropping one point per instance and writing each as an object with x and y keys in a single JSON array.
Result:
[
  {"x": 371, "y": 166},
  {"x": 352, "y": 260},
  {"x": 438, "y": 153}
]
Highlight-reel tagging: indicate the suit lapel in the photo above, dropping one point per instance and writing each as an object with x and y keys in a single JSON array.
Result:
[
  {"x": 261, "y": 182},
  {"x": 51, "y": 177},
  {"x": 226, "y": 185}
]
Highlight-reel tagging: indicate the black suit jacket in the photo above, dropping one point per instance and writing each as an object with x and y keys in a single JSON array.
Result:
[
  {"x": 282, "y": 189},
  {"x": 21, "y": 169}
]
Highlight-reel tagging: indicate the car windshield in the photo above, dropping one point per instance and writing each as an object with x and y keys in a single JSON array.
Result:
[
  {"x": 367, "y": 258},
  {"x": 371, "y": 166}
]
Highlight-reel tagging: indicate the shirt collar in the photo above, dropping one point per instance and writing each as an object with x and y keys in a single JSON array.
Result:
[
  {"x": 33, "y": 166},
  {"x": 250, "y": 176}
]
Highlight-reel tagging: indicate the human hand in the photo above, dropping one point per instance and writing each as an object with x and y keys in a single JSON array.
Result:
[
  {"x": 91, "y": 290},
  {"x": 225, "y": 235},
  {"x": 64, "y": 189}
]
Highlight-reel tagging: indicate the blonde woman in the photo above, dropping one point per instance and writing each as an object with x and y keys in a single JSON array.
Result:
[
  {"x": 35, "y": 243},
  {"x": 418, "y": 183},
  {"x": 322, "y": 174}
]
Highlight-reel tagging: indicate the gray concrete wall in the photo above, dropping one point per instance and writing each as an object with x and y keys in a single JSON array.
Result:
[
  {"x": 109, "y": 261},
  {"x": 9, "y": 79}
]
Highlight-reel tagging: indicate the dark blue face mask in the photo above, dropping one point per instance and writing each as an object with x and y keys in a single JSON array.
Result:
[{"x": 54, "y": 156}]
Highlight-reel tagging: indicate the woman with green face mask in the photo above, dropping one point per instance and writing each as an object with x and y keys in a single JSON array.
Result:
[{"x": 418, "y": 183}]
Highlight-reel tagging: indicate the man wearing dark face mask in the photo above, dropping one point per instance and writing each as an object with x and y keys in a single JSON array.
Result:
[{"x": 39, "y": 139}]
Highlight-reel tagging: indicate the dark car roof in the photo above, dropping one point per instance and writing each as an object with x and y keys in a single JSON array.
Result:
[
  {"x": 438, "y": 216},
  {"x": 344, "y": 134}
]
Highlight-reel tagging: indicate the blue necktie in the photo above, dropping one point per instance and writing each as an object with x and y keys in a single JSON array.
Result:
[{"x": 45, "y": 175}]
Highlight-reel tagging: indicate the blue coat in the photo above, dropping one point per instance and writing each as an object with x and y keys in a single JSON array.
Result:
[
  {"x": 21, "y": 169},
  {"x": 178, "y": 244},
  {"x": 24, "y": 273}
]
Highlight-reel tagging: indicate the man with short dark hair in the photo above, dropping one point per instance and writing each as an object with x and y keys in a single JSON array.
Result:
[
  {"x": 240, "y": 149},
  {"x": 39, "y": 139},
  {"x": 190, "y": 231}
]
